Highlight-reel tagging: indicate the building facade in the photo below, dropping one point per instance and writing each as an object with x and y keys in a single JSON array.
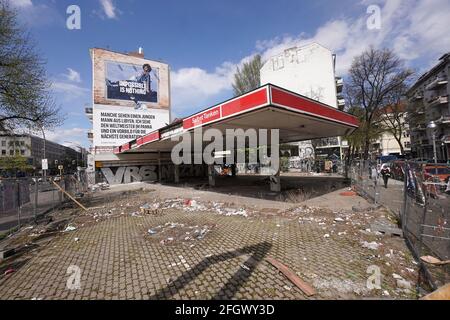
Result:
[
  {"x": 429, "y": 113},
  {"x": 35, "y": 149},
  {"x": 131, "y": 98},
  {"x": 310, "y": 71}
]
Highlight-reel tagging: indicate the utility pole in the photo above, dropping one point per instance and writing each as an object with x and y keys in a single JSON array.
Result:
[{"x": 44, "y": 172}]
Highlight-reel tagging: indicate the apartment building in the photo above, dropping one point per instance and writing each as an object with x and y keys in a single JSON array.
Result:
[
  {"x": 33, "y": 148},
  {"x": 429, "y": 113}
]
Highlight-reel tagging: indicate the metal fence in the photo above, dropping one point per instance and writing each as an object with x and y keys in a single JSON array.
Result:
[
  {"x": 26, "y": 199},
  {"x": 419, "y": 195}
]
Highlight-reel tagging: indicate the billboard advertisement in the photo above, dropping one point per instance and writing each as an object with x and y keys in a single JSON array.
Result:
[
  {"x": 131, "y": 96},
  {"x": 114, "y": 126}
]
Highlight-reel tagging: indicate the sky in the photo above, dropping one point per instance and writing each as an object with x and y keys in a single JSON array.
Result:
[{"x": 204, "y": 41}]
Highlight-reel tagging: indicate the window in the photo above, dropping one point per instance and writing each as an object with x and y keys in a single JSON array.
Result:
[
  {"x": 3, "y": 143},
  {"x": 3, "y": 152},
  {"x": 22, "y": 152},
  {"x": 11, "y": 152}
]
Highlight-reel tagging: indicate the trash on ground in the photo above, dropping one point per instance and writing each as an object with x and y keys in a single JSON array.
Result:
[
  {"x": 371, "y": 245},
  {"x": 433, "y": 260},
  {"x": 70, "y": 228}
]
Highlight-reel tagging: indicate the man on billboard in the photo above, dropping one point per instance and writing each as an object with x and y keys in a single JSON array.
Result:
[{"x": 136, "y": 87}]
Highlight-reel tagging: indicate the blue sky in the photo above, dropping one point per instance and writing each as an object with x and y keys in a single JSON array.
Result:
[{"x": 204, "y": 41}]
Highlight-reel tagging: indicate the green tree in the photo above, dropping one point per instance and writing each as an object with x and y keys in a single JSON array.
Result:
[
  {"x": 247, "y": 78},
  {"x": 25, "y": 99},
  {"x": 15, "y": 163}
]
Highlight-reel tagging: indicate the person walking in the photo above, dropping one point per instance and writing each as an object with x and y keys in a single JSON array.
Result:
[{"x": 386, "y": 173}]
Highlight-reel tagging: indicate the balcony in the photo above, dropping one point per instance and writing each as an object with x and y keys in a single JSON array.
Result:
[
  {"x": 439, "y": 100},
  {"x": 439, "y": 81},
  {"x": 339, "y": 84},
  {"x": 416, "y": 97},
  {"x": 341, "y": 103},
  {"x": 89, "y": 113},
  {"x": 419, "y": 127},
  {"x": 90, "y": 135},
  {"x": 443, "y": 120}
]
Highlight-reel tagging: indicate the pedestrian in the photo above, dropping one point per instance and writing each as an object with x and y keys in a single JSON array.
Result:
[{"x": 386, "y": 173}]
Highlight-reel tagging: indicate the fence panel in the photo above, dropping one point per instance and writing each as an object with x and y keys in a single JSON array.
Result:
[
  {"x": 420, "y": 198},
  {"x": 25, "y": 199}
]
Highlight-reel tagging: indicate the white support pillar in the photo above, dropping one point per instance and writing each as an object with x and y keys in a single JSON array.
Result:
[
  {"x": 159, "y": 168},
  {"x": 177, "y": 173},
  {"x": 275, "y": 182},
  {"x": 211, "y": 175}
]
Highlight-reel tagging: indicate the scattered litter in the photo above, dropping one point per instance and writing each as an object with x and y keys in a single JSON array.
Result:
[
  {"x": 240, "y": 212},
  {"x": 287, "y": 288},
  {"x": 243, "y": 266},
  {"x": 404, "y": 284},
  {"x": 151, "y": 231},
  {"x": 326, "y": 235},
  {"x": 76, "y": 239},
  {"x": 70, "y": 228},
  {"x": 339, "y": 219},
  {"x": 396, "y": 276},
  {"x": 371, "y": 245},
  {"x": 433, "y": 260},
  {"x": 9, "y": 271}
]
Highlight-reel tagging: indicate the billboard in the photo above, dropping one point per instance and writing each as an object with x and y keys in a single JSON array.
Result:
[
  {"x": 131, "y": 82},
  {"x": 131, "y": 96},
  {"x": 114, "y": 126}
]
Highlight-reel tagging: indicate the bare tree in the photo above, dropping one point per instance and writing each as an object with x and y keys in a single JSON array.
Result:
[
  {"x": 374, "y": 77},
  {"x": 393, "y": 115},
  {"x": 25, "y": 99},
  {"x": 247, "y": 78}
]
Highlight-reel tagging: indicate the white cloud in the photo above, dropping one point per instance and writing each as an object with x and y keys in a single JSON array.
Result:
[
  {"x": 109, "y": 9},
  {"x": 69, "y": 90},
  {"x": 69, "y": 136},
  {"x": 415, "y": 30},
  {"x": 73, "y": 75},
  {"x": 36, "y": 15},
  {"x": 21, "y": 3}
]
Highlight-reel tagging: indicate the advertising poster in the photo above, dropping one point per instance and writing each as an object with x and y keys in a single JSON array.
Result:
[
  {"x": 131, "y": 97},
  {"x": 114, "y": 126}
]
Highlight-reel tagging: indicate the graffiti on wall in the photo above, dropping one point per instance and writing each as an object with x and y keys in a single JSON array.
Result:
[{"x": 128, "y": 174}]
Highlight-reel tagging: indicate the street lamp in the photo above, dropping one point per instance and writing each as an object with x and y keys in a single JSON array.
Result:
[{"x": 432, "y": 126}]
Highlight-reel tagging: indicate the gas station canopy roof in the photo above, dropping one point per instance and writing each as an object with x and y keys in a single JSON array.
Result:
[{"x": 267, "y": 107}]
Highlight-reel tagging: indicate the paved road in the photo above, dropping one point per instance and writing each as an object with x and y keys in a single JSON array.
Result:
[{"x": 118, "y": 259}]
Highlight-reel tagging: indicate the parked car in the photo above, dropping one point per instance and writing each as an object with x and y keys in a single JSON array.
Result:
[
  {"x": 436, "y": 170},
  {"x": 435, "y": 179}
]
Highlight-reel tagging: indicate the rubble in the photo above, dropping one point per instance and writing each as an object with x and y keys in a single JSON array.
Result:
[
  {"x": 70, "y": 228},
  {"x": 371, "y": 245}
]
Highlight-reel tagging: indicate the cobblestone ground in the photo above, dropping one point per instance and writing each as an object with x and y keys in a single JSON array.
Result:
[{"x": 119, "y": 259}]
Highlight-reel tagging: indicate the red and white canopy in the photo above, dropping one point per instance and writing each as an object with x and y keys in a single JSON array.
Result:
[{"x": 267, "y": 107}]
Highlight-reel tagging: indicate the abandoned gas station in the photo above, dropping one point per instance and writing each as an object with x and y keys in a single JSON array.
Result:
[{"x": 268, "y": 107}]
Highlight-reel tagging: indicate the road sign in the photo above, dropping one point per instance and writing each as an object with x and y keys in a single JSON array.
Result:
[
  {"x": 44, "y": 164},
  {"x": 60, "y": 167}
]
